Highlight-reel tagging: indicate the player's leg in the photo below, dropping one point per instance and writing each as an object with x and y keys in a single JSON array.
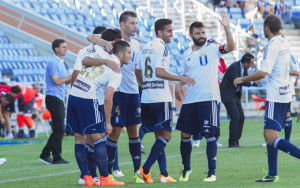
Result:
[
  {"x": 185, "y": 151},
  {"x": 141, "y": 135},
  {"x": 112, "y": 144},
  {"x": 288, "y": 126},
  {"x": 89, "y": 148},
  {"x": 21, "y": 123},
  {"x": 274, "y": 121},
  {"x": 101, "y": 157}
]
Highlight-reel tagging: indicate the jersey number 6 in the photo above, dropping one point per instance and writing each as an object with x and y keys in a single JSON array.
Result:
[{"x": 148, "y": 68}]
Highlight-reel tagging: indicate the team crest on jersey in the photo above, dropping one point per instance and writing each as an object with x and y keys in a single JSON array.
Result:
[
  {"x": 164, "y": 61},
  {"x": 90, "y": 51}
]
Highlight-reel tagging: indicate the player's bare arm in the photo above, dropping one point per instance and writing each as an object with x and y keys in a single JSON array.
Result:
[
  {"x": 253, "y": 77},
  {"x": 225, "y": 21},
  {"x": 89, "y": 61},
  {"x": 74, "y": 76},
  {"x": 139, "y": 76},
  {"x": 95, "y": 39},
  {"x": 108, "y": 101},
  {"x": 162, "y": 73}
]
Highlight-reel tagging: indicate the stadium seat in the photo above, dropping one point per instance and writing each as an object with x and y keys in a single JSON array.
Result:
[
  {"x": 244, "y": 23},
  {"x": 258, "y": 100}
]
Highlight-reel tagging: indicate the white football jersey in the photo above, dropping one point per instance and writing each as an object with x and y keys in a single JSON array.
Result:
[
  {"x": 155, "y": 54},
  {"x": 202, "y": 66},
  {"x": 129, "y": 83},
  {"x": 81, "y": 54},
  {"x": 92, "y": 82},
  {"x": 276, "y": 62},
  {"x": 293, "y": 67}
]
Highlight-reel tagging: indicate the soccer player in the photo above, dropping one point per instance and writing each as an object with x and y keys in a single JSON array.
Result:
[
  {"x": 127, "y": 110},
  {"x": 85, "y": 58},
  {"x": 112, "y": 35},
  {"x": 199, "y": 111},
  {"x": 152, "y": 71},
  {"x": 275, "y": 66},
  {"x": 86, "y": 114}
]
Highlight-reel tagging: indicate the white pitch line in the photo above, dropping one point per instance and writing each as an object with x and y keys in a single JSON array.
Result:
[{"x": 121, "y": 164}]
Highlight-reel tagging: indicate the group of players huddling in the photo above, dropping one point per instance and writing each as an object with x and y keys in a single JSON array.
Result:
[{"x": 105, "y": 97}]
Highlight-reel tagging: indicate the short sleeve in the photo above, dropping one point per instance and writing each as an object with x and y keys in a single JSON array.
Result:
[
  {"x": 115, "y": 80},
  {"x": 78, "y": 63},
  {"x": 52, "y": 69},
  {"x": 161, "y": 56},
  {"x": 269, "y": 58},
  {"x": 294, "y": 65}
]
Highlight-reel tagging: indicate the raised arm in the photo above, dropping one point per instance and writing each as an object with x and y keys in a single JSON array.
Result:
[{"x": 225, "y": 21}]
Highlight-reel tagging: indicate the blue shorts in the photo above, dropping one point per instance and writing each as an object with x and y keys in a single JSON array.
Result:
[
  {"x": 199, "y": 117},
  {"x": 275, "y": 115},
  {"x": 85, "y": 116},
  {"x": 126, "y": 109},
  {"x": 156, "y": 117}
]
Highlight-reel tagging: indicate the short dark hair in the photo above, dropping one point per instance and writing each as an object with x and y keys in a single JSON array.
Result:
[
  {"x": 3, "y": 83},
  {"x": 124, "y": 16},
  {"x": 8, "y": 97},
  {"x": 111, "y": 34},
  {"x": 99, "y": 30},
  {"x": 120, "y": 46},
  {"x": 161, "y": 23},
  {"x": 273, "y": 23},
  {"x": 56, "y": 43},
  {"x": 196, "y": 25},
  {"x": 15, "y": 89},
  {"x": 247, "y": 58}
]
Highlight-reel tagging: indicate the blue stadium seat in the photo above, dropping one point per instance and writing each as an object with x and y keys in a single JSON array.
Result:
[
  {"x": 295, "y": 14},
  {"x": 244, "y": 23},
  {"x": 236, "y": 13}
]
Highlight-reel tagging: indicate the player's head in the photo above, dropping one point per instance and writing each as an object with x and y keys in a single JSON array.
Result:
[
  {"x": 164, "y": 29},
  {"x": 197, "y": 33},
  {"x": 272, "y": 25},
  {"x": 99, "y": 30},
  {"x": 59, "y": 47},
  {"x": 128, "y": 23},
  {"x": 37, "y": 88},
  {"x": 15, "y": 90},
  {"x": 111, "y": 35},
  {"x": 247, "y": 60},
  {"x": 122, "y": 51},
  {"x": 6, "y": 99}
]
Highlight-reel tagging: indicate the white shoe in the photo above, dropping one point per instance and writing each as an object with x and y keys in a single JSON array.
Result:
[
  {"x": 81, "y": 181},
  {"x": 117, "y": 173},
  {"x": 210, "y": 179},
  {"x": 138, "y": 173},
  {"x": 9, "y": 136},
  {"x": 219, "y": 145},
  {"x": 196, "y": 143},
  {"x": 264, "y": 145},
  {"x": 97, "y": 180}
]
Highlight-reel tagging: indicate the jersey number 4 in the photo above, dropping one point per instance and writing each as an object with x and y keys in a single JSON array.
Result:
[
  {"x": 203, "y": 60},
  {"x": 148, "y": 69}
]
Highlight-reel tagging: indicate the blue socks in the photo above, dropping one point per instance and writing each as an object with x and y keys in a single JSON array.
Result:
[
  {"x": 111, "y": 152},
  {"x": 185, "y": 150},
  {"x": 211, "y": 152},
  {"x": 288, "y": 128},
  {"x": 272, "y": 160},
  {"x": 287, "y": 147},
  {"x": 91, "y": 160},
  {"x": 156, "y": 151},
  {"x": 135, "y": 151},
  {"x": 141, "y": 133},
  {"x": 116, "y": 163},
  {"x": 81, "y": 159},
  {"x": 162, "y": 163},
  {"x": 101, "y": 156}
]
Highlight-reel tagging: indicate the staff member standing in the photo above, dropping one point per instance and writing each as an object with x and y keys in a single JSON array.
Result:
[
  {"x": 56, "y": 78},
  {"x": 231, "y": 97}
]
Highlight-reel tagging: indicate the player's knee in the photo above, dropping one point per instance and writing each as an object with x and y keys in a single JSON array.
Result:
[
  {"x": 115, "y": 134},
  {"x": 269, "y": 138},
  {"x": 185, "y": 135},
  {"x": 79, "y": 138}
]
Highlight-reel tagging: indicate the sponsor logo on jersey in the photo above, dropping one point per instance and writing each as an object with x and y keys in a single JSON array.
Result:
[
  {"x": 82, "y": 85},
  {"x": 153, "y": 85},
  {"x": 284, "y": 90}
]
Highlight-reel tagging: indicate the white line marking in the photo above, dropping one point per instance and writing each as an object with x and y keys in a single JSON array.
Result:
[{"x": 121, "y": 164}]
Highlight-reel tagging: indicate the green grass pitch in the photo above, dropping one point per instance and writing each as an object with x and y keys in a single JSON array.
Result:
[{"x": 235, "y": 167}]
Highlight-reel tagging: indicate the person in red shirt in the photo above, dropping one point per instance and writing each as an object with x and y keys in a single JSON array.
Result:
[{"x": 24, "y": 114}]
